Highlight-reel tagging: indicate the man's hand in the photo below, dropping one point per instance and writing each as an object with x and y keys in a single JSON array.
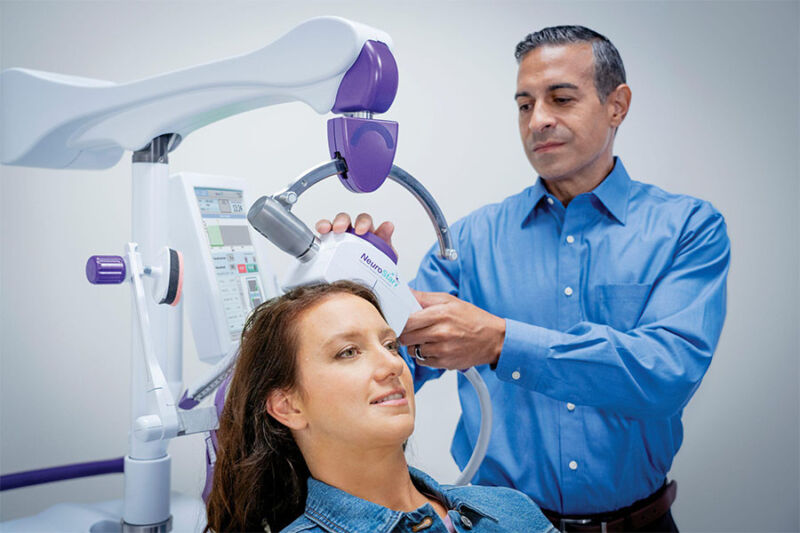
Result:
[
  {"x": 362, "y": 225},
  {"x": 452, "y": 333}
]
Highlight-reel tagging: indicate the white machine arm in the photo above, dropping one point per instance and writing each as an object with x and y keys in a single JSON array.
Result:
[
  {"x": 162, "y": 422},
  {"x": 57, "y": 121}
]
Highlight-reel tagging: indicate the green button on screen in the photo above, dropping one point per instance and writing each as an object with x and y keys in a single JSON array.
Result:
[{"x": 214, "y": 236}]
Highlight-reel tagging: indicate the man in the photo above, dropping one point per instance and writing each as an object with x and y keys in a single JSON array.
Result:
[{"x": 590, "y": 303}]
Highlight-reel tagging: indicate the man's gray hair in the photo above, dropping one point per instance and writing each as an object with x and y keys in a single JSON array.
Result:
[{"x": 609, "y": 72}]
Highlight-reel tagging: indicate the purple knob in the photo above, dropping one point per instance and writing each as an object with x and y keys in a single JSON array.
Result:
[{"x": 105, "y": 269}]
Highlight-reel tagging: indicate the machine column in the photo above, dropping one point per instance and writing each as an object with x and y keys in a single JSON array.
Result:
[{"x": 147, "y": 466}]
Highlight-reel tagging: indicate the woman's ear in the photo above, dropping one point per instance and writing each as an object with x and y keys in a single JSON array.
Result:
[{"x": 286, "y": 408}]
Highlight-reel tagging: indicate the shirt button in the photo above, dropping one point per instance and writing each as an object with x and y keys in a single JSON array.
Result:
[
  {"x": 515, "y": 374},
  {"x": 573, "y": 465},
  {"x": 466, "y": 521},
  {"x": 549, "y": 200},
  {"x": 570, "y": 239},
  {"x": 568, "y": 291},
  {"x": 570, "y": 407}
]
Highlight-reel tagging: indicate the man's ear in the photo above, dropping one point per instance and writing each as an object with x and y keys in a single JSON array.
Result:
[
  {"x": 618, "y": 103},
  {"x": 286, "y": 408}
]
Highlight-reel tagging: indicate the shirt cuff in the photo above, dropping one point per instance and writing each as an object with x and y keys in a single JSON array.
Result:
[{"x": 524, "y": 353}]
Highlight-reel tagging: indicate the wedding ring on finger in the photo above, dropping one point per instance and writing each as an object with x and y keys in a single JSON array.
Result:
[{"x": 418, "y": 355}]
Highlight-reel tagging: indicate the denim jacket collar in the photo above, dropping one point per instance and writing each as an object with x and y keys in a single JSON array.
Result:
[
  {"x": 448, "y": 495},
  {"x": 336, "y": 510}
]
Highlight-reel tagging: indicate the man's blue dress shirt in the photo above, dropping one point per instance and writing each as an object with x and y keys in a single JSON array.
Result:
[{"x": 613, "y": 308}]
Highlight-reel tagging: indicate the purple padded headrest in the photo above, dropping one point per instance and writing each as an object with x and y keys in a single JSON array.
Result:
[{"x": 211, "y": 441}]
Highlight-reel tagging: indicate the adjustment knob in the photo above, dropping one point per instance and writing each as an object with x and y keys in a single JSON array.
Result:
[{"x": 105, "y": 269}]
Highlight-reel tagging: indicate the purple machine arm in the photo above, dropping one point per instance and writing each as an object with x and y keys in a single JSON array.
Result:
[
  {"x": 60, "y": 473},
  {"x": 366, "y": 145}
]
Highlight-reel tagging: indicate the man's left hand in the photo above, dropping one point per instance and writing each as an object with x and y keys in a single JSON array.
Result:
[{"x": 452, "y": 333}]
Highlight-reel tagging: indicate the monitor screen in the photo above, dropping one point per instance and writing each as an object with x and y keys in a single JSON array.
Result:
[{"x": 232, "y": 253}]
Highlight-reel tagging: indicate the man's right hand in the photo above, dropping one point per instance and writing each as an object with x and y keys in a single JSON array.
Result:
[{"x": 362, "y": 225}]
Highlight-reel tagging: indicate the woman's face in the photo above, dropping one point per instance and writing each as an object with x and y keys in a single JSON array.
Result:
[{"x": 354, "y": 387}]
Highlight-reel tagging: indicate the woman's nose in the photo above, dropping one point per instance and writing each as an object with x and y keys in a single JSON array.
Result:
[{"x": 390, "y": 364}]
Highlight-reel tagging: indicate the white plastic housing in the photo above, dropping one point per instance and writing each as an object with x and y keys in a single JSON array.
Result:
[
  {"x": 346, "y": 256},
  {"x": 146, "y": 502},
  {"x": 209, "y": 299},
  {"x": 52, "y": 120}
]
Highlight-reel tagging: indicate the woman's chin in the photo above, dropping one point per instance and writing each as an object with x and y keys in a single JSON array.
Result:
[{"x": 397, "y": 430}]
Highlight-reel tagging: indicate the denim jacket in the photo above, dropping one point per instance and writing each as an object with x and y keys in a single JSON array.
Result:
[{"x": 472, "y": 509}]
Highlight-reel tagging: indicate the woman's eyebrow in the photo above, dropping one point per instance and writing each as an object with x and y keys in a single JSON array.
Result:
[
  {"x": 353, "y": 333},
  {"x": 342, "y": 335}
]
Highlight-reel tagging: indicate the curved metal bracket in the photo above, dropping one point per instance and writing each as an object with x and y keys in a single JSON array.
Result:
[
  {"x": 289, "y": 196},
  {"x": 408, "y": 182}
]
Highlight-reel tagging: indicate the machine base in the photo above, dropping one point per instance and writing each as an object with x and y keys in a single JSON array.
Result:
[{"x": 188, "y": 514}]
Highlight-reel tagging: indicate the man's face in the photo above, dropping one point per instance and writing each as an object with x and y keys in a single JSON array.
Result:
[{"x": 567, "y": 132}]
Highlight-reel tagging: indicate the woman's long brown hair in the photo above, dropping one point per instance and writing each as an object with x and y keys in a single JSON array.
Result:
[{"x": 260, "y": 475}]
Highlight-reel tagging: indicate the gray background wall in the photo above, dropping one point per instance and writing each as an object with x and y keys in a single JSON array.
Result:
[{"x": 714, "y": 115}]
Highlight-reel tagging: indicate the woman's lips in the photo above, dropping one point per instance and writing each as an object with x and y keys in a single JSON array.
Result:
[
  {"x": 392, "y": 403},
  {"x": 394, "y": 398}
]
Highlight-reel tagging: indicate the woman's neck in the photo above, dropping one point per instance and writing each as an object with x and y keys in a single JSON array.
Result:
[{"x": 379, "y": 476}]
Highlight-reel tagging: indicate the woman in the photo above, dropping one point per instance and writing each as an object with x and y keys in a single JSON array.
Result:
[{"x": 312, "y": 434}]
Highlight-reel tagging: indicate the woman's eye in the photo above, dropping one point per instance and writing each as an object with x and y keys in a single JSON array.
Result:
[
  {"x": 347, "y": 353},
  {"x": 393, "y": 346}
]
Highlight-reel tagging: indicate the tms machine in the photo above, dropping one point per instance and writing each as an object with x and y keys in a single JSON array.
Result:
[{"x": 196, "y": 245}]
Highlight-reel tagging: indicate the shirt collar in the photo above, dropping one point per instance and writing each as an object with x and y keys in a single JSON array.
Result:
[
  {"x": 536, "y": 194},
  {"x": 329, "y": 506},
  {"x": 612, "y": 193}
]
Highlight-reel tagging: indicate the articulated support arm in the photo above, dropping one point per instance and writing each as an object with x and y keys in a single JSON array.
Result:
[{"x": 56, "y": 121}]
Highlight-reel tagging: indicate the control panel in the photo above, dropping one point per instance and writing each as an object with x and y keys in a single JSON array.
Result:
[{"x": 227, "y": 273}]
